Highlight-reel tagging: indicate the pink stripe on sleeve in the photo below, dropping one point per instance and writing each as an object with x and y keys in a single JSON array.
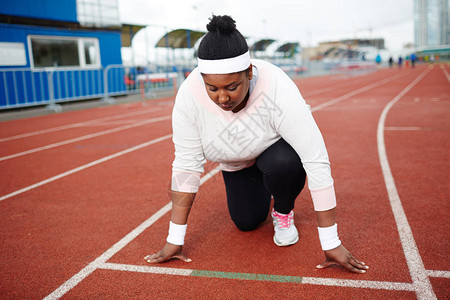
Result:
[
  {"x": 186, "y": 182},
  {"x": 324, "y": 198}
]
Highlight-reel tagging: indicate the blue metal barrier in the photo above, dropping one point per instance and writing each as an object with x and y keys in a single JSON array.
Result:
[
  {"x": 22, "y": 87},
  {"x": 28, "y": 87}
]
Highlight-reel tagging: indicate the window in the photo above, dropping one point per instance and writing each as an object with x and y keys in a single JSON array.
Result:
[
  {"x": 98, "y": 13},
  {"x": 90, "y": 53},
  {"x": 56, "y": 52},
  {"x": 12, "y": 54}
]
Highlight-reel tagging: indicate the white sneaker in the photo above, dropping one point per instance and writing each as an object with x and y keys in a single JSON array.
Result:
[{"x": 285, "y": 232}]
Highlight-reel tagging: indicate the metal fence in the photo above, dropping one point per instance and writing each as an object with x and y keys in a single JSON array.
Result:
[
  {"x": 23, "y": 87},
  {"x": 327, "y": 67}
]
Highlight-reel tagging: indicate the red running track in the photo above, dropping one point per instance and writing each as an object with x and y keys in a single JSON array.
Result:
[{"x": 84, "y": 199}]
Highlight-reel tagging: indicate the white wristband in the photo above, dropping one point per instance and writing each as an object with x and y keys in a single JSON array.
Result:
[
  {"x": 329, "y": 237},
  {"x": 176, "y": 234}
]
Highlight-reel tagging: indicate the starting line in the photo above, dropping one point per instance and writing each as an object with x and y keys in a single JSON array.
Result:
[{"x": 380, "y": 285}]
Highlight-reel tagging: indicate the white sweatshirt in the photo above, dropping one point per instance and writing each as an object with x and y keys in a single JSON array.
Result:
[{"x": 203, "y": 131}]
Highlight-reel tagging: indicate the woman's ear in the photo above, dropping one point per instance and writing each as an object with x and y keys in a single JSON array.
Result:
[{"x": 250, "y": 72}]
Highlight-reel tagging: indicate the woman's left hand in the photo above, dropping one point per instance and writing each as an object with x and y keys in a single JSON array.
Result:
[{"x": 343, "y": 257}]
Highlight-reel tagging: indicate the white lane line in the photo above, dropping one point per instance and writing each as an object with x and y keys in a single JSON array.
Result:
[
  {"x": 415, "y": 128},
  {"x": 80, "y": 124},
  {"x": 330, "y": 88},
  {"x": 96, "y": 162},
  {"x": 422, "y": 284},
  {"x": 115, "y": 122},
  {"x": 327, "y": 89},
  {"x": 210, "y": 174},
  {"x": 402, "y": 128},
  {"x": 379, "y": 285},
  {"x": 146, "y": 269},
  {"x": 101, "y": 260},
  {"x": 355, "y": 92},
  {"x": 85, "y": 137},
  {"x": 445, "y": 72},
  {"x": 440, "y": 274}
]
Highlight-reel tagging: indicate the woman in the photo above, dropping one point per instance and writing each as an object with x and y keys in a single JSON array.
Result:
[{"x": 251, "y": 118}]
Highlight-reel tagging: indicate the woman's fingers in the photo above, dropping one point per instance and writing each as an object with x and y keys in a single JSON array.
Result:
[
  {"x": 353, "y": 269},
  {"x": 163, "y": 255},
  {"x": 155, "y": 258},
  {"x": 352, "y": 266},
  {"x": 355, "y": 265},
  {"x": 358, "y": 265},
  {"x": 182, "y": 257},
  {"x": 343, "y": 257},
  {"x": 325, "y": 264}
]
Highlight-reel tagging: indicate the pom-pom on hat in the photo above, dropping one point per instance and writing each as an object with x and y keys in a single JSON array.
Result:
[
  {"x": 223, "y": 49},
  {"x": 221, "y": 24}
]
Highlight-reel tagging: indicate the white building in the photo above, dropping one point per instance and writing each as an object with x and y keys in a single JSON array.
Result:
[{"x": 431, "y": 24}]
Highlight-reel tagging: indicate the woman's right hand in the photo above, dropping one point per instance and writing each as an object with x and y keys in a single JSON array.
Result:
[
  {"x": 181, "y": 206},
  {"x": 168, "y": 252}
]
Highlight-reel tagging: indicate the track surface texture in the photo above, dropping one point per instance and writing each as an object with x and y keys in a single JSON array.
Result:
[{"x": 84, "y": 197}]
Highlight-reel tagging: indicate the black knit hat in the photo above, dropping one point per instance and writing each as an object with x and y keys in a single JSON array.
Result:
[{"x": 223, "y": 40}]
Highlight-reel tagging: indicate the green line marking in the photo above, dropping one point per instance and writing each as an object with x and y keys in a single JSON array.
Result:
[{"x": 247, "y": 276}]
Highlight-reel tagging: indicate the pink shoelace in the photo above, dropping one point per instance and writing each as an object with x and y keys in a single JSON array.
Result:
[{"x": 283, "y": 220}]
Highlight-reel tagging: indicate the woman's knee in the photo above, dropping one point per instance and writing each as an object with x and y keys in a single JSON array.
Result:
[
  {"x": 289, "y": 164},
  {"x": 285, "y": 169},
  {"x": 247, "y": 224},
  {"x": 280, "y": 159}
]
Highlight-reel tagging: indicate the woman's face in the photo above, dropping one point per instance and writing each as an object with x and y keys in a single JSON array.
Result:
[{"x": 229, "y": 91}]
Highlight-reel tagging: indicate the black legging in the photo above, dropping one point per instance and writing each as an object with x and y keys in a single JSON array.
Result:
[{"x": 278, "y": 171}]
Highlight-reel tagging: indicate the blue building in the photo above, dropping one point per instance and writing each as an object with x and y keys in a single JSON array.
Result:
[{"x": 58, "y": 50}]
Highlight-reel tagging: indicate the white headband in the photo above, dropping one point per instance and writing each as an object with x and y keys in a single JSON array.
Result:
[{"x": 224, "y": 66}]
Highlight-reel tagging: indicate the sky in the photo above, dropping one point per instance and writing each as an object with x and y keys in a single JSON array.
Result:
[{"x": 306, "y": 21}]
